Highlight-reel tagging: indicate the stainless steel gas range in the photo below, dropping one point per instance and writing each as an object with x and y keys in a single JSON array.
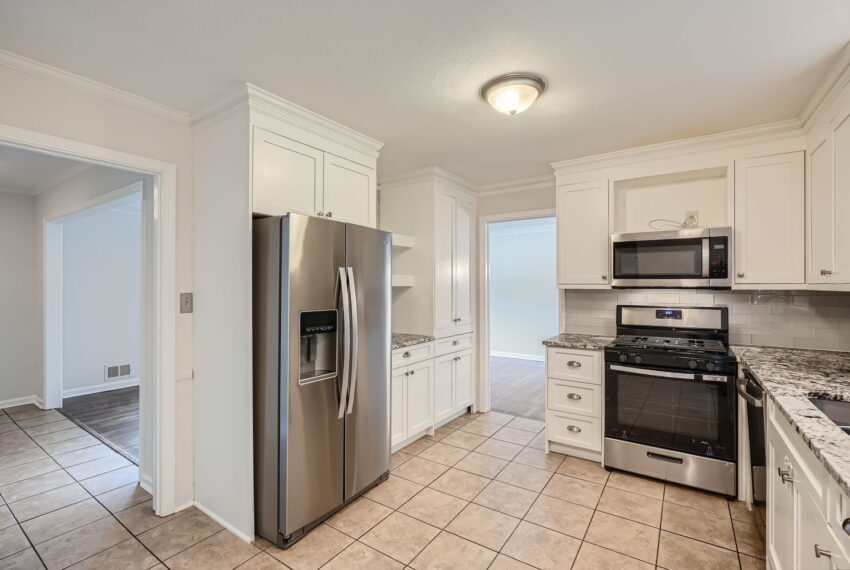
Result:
[{"x": 670, "y": 397}]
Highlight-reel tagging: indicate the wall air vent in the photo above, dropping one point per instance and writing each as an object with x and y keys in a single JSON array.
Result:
[{"x": 113, "y": 372}]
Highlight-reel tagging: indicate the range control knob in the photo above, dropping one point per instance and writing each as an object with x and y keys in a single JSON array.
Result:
[
  {"x": 637, "y": 359},
  {"x": 624, "y": 358},
  {"x": 692, "y": 364},
  {"x": 711, "y": 367}
]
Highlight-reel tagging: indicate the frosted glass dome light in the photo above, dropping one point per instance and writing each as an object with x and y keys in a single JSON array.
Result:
[{"x": 513, "y": 93}]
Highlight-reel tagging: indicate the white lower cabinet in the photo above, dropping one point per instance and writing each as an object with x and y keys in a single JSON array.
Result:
[
  {"x": 420, "y": 396},
  {"x": 453, "y": 383},
  {"x": 574, "y": 402},
  {"x": 801, "y": 534},
  {"x": 411, "y": 393}
]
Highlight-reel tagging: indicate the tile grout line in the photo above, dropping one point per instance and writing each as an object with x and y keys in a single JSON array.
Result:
[{"x": 91, "y": 495}]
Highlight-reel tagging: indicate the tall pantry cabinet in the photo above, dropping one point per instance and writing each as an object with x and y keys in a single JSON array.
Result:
[{"x": 433, "y": 292}]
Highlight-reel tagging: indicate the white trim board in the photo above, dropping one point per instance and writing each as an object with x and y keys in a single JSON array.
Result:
[
  {"x": 517, "y": 355},
  {"x": 102, "y": 387},
  {"x": 224, "y": 523},
  {"x": 11, "y": 403}
]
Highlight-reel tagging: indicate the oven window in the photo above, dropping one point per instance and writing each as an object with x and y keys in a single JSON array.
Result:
[
  {"x": 683, "y": 415},
  {"x": 670, "y": 259}
]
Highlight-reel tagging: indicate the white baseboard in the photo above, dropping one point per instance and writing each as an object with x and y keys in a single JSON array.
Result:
[
  {"x": 224, "y": 523},
  {"x": 146, "y": 482},
  {"x": 36, "y": 400},
  {"x": 104, "y": 387},
  {"x": 517, "y": 355}
]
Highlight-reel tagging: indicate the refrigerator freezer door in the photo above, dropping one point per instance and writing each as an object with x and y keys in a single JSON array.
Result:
[
  {"x": 367, "y": 419},
  {"x": 312, "y": 434}
]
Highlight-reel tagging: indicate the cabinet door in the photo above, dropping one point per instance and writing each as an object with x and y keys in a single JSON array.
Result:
[
  {"x": 420, "y": 397},
  {"x": 841, "y": 142},
  {"x": 463, "y": 243},
  {"x": 398, "y": 410},
  {"x": 349, "y": 192},
  {"x": 821, "y": 225},
  {"x": 287, "y": 175},
  {"x": 444, "y": 222},
  {"x": 814, "y": 537},
  {"x": 781, "y": 505},
  {"x": 463, "y": 379},
  {"x": 443, "y": 382},
  {"x": 770, "y": 219},
  {"x": 583, "y": 236}
]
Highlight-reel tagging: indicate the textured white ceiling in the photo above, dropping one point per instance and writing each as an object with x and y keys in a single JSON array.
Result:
[{"x": 621, "y": 73}]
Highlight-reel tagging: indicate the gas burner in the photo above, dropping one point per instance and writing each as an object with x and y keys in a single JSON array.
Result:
[{"x": 670, "y": 343}]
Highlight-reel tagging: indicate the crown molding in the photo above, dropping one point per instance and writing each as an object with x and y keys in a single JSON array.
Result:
[
  {"x": 259, "y": 100},
  {"x": 428, "y": 174},
  {"x": 80, "y": 83},
  {"x": 738, "y": 137},
  {"x": 835, "y": 80},
  {"x": 542, "y": 182}
]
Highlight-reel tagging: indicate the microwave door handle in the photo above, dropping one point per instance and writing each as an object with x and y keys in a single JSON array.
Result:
[
  {"x": 346, "y": 341},
  {"x": 355, "y": 337},
  {"x": 706, "y": 257}
]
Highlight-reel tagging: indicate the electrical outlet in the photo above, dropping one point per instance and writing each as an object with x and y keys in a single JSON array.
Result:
[
  {"x": 186, "y": 303},
  {"x": 692, "y": 218}
]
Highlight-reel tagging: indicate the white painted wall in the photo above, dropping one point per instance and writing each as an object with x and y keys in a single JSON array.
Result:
[
  {"x": 523, "y": 295},
  {"x": 20, "y": 303},
  {"x": 101, "y": 295},
  {"x": 33, "y": 102}
]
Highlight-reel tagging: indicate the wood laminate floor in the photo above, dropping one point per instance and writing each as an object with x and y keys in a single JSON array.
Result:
[
  {"x": 518, "y": 387},
  {"x": 112, "y": 415}
]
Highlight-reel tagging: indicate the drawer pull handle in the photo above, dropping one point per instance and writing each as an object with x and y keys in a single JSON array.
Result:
[
  {"x": 574, "y": 429},
  {"x": 574, "y": 396},
  {"x": 785, "y": 475},
  {"x": 574, "y": 364},
  {"x": 406, "y": 355},
  {"x": 455, "y": 343},
  {"x": 822, "y": 552},
  {"x": 662, "y": 457}
]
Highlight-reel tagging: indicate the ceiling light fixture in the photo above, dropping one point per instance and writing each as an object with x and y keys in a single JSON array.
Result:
[{"x": 513, "y": 93}]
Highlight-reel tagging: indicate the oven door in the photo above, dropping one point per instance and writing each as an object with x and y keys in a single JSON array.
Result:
[{"x": 672, "y": 409}]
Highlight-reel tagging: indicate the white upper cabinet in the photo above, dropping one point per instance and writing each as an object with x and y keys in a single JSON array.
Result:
[
  {"x": 453, "y": 225},
  {"x": 770, "y": 219},
  {"x": 287, "y": 175},
  {"x": 350, "y": 192},
  {"x": 829, "y": 201},
  {"x": 583, "y": 235},
  {"x": 464, "y": 223}
]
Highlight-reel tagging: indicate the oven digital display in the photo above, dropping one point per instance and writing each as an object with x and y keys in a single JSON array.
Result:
[{"x": 668, "y": 314}]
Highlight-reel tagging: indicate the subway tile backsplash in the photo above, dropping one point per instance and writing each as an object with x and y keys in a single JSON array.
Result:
[{"x": 802, "y": 319}]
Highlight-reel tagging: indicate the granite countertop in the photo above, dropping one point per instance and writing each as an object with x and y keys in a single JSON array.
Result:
[
  {"x": 401, "y": 340},
  {"x": 790, "y": 377},
  {"x": 579, "y": 341}
]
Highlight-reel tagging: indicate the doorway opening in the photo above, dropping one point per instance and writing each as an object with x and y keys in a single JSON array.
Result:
[
  {"x": 521, "y": 310},
  {"x": 100, "y": 262}
]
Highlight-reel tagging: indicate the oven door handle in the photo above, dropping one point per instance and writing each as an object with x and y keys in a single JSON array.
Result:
[
  {"x": 741, "y": 386},
  {"x": 666, "y": 374}
]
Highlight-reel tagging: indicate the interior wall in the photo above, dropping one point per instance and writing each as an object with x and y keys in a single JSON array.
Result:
[
  {"x": 32, "y": 102},
  {"x": 101, "y": 295},
  {"x": 20, "y": 340},
  {"x": 523, "y": 295}
]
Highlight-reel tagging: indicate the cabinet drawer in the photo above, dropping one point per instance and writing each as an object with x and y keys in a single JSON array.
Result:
[
  {"x": 573, "y": 397},
  {"x": 574, "y": 430},
  {"x": 569, "y": 364},
  {"x": 411, "y": 354},
  {"x": 453, "y": 344}
]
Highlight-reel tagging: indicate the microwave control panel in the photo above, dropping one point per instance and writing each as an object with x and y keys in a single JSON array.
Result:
[{"x": 718, "y": 259}]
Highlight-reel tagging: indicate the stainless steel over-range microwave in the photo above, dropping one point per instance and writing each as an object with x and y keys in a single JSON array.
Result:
[{"x": 694, "y": 258}]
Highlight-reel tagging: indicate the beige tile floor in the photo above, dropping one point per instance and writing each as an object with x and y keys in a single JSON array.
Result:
[{"x": 480, "y": 494}]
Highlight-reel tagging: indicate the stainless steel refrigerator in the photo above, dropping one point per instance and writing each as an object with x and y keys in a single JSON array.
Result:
[{"x": 321, "y": 369}]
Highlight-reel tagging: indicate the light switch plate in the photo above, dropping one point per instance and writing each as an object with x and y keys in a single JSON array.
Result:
[{"x": 186, "y": 303}]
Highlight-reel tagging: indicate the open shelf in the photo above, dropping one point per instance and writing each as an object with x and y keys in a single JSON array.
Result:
[
  {"x": 403, "y": 240},
  {"x": 402, "y": 280}
]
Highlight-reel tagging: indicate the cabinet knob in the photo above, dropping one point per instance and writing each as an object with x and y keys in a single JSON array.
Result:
[
  {"x": 740, "y": 274},
  {"x": 826, "y": 272},
  {"x": 605, "y": 278},
  {"x": 320, "y": 214},
  {"x": 822, "y": 552},
  {"x": 846, "y": 526},
  {"x": 574, "y": 364},
  {"x": 574, "y": 396},
  {"x": 412, "y": 372},
  {"x": 455, "y": 343},
  {"x": 407, "y": 373},
  {"x": 329, "y": 215},
  {"x": 785, "y": 475},
  {"x": 574, "y": 429},
  {"x": 457, "y": 357},
  {"x": 406, "y": 355}
]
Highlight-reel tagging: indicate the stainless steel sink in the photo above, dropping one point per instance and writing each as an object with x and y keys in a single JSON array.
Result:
[{"x": 836, "y": 410}]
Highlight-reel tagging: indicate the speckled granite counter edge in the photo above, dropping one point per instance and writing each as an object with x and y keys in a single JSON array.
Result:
[
  {"x": 403, "y": 340},
  {"x": 790, "y": 393},
  {"x": 579, "y": 341}
]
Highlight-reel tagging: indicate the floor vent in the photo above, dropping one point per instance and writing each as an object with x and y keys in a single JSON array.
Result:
[{"x": 120, "y": 371}]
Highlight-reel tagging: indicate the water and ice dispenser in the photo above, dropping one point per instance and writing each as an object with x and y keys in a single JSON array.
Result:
[{"x": 318, "y": 353}]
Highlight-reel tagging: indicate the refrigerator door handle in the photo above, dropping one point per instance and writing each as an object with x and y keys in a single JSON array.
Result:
[
  {"x": 346, "y": 341},
  {"x": 355, "y": 337}
]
